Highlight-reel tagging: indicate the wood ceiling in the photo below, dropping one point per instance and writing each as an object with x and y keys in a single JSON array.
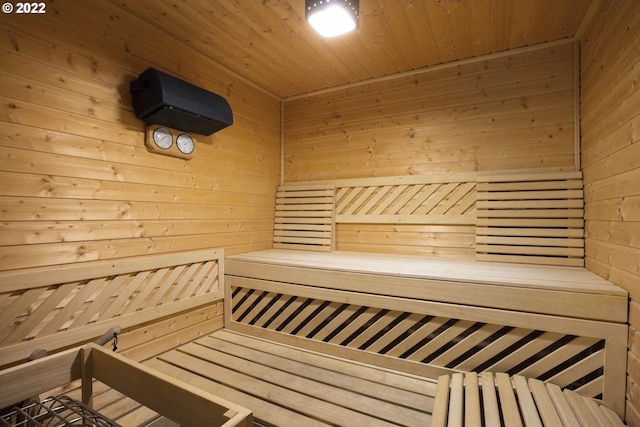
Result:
[{"x": 269, "y": 42}]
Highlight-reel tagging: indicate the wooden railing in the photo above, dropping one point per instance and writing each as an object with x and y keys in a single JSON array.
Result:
[{"x": 57, "y": 307}]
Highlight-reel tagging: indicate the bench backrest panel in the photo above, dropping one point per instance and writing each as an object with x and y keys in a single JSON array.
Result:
[{"x": 58, "y": 307}]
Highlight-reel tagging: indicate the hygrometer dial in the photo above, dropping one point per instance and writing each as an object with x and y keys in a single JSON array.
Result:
[
  {"x": 162, "y": 138},
  {"x": 185, "y": 143}
]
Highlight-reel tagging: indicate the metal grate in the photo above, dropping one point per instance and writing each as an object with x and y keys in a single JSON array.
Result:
[{"x": 59, "y": 411}]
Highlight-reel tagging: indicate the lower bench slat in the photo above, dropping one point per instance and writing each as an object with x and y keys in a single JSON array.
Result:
[
  {"x": 520, "y": 401},
  {"x": 285, "y": 386}
]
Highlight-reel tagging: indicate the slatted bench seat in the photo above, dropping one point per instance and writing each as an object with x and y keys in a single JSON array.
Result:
[
  {"x": 334, "y": 338},
  {"x": 473, "y": 400},
  {"x": 287, "y": 386}
]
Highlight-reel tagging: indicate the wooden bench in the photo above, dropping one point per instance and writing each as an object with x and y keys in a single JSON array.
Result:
[
  {"x": 474, "y": 400},
  {"x": 289, "y": 386},
  {"x": 430, "y": 317},
  {"x": 326, "y": 338}
]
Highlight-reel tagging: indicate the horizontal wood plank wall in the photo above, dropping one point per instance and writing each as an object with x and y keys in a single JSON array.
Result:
[
  {"x": 507, "y": 112},
  {"x": 610, "y": 119},
  {"x": 76, "y": 181}
]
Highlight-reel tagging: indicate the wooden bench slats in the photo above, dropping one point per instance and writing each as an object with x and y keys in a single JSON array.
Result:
[
  {"x": 543, "y": 401},
  {"x": 389, "y": 378},
  {"x": 279, "y": 378},
  {"x": 456, "y": 401},
  {"x": 286, "y": 386},
  {"x": 305, "y": 217},
  {"x": 544, "y": 215},
  {"x": 518, "y": 177},
  {"x": 441, "y": 405},
  {"x": 520, "y": 401},
  {"x": 526, "y": 403},
  {"x": 612, "y": 417},
  {"x": 275, "y": 393},
  {"x": 281, "y": 360},
  {"x": 509, "y": 404},
  {"x": 276, "y": 415},
  {"x": 472, "y": 414},
  {"x": 562, "y": 406},
  {"x": 580, "y": 408},
  {"x": 490, "y": 400}
]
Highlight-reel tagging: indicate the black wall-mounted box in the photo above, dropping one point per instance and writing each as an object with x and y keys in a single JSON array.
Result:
[{"x": 159, "y": 98}]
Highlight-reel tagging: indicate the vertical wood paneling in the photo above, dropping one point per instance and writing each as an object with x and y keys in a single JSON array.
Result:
[
  {"x": 610, "y": 105},
  {"x": 76, "y": 181}
]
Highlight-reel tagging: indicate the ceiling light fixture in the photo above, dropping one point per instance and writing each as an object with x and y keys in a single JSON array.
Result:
[{"x": 332, "y": 18}]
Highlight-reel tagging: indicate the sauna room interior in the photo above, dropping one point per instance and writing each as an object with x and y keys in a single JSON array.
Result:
[{"x": 449, "y": 190}]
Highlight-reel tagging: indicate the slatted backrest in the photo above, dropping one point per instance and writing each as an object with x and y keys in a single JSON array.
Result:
[
  {"x": 423, "y": 199},
  {"x": 57, "y": 307},
  {"x": 305, "y": 217},
  {"x": 531, "y": 218},
  {"x": 473, "y": 400}
]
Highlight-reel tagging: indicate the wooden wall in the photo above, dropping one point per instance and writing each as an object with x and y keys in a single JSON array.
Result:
[
  {"x": 76, "y": 182},
  {"x": 610, "y": 123},
  {"x": 498, "y": 112}
]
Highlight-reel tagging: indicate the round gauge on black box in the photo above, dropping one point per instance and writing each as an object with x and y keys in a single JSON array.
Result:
[
  {"x": 185, "y": 143},
  {"x": 162, "y": 138}
]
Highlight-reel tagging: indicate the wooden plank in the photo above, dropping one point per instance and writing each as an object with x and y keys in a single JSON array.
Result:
[
  {"x": 530, "y": 222},
  {"x": 530, "y": 232},
  {"x": 441, "y": 406},
  {"x": 472, "y": 416},
  {"x": 455, "y": 418},
  {"x": 32, "y": 378},
  {"x": 562, "y": 406},
  {"x": 490, "y": 406},
  {"x": 530, "y": 204},
  {"x": 284, "y": 375},
  {"x": 580, "y": 408},
  {"x": 529, "y": 185},
  {"x": 396, "y": 379},
  {"x": 544, "y": 403},
  {"x": 492, "y": 195},
  {"x": 407, "y": 219},
  {"x": 44, "y": 276},
  {"x": 526, "y": 403},
  {"x": 262, "y": 409},
  {"x": 533, "y": 213},
  {"x": 352, "y": 276},
  {"x": 510, "y": 411},
  {"x": 334, "y": 372},
  {"x": 523, "y": 177},
  {"x": 612, "y": 417},
  {"x": 283, "y": 394},
  {"x": 530, "y": 241},
  {"x": 179, "y": 401}
]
